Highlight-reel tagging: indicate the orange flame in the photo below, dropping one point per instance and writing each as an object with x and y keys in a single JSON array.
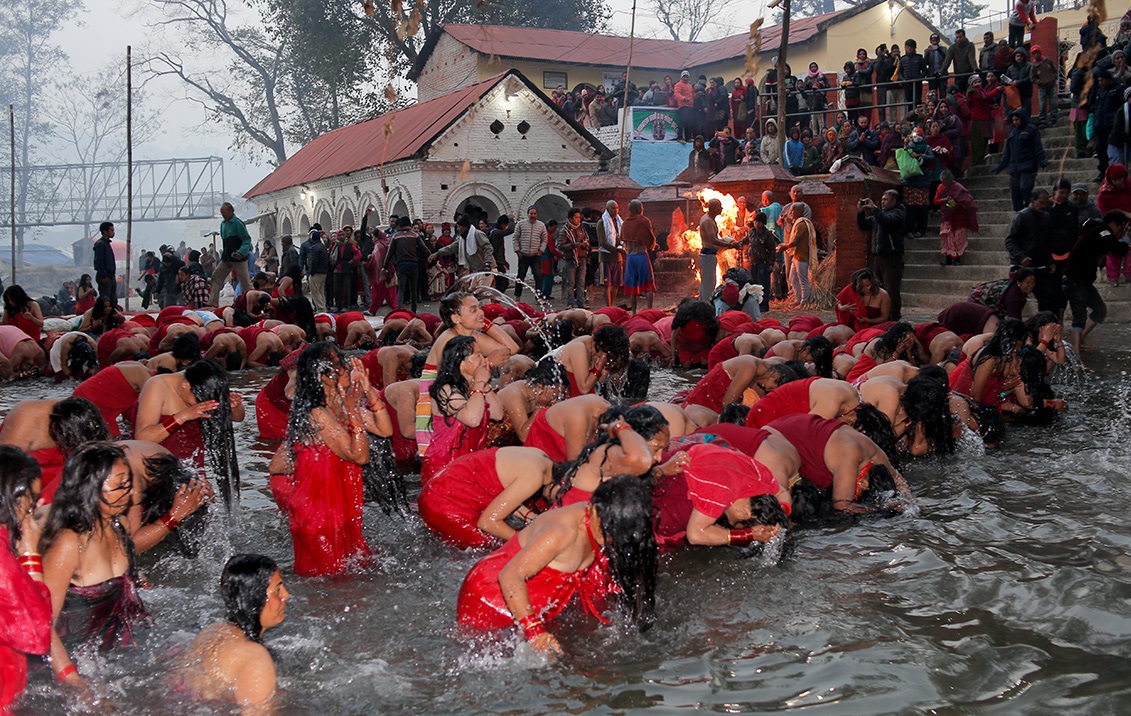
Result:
[{"x": 731, "y": 223}]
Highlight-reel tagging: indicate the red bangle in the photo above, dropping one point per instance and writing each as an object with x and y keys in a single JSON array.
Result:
[
  {"x": 168, "y": 521},
  {"x": 532, "y": 626},
  {"x": 787, "y": 508},
  {"x": 170, "y": 423},
  {"x": 1045, "y": 344},
  {"x": 487, "y": 325},
  {"x": 66, "y": 671},
  {"x": 739, "y": 538}
]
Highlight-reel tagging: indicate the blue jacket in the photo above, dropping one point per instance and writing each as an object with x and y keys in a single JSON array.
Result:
[
  {"x": 794, "y": 153},
  {"x": 1023, "y": 150}
]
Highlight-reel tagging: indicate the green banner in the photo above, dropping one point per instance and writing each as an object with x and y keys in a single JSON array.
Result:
[{"x": 654, "y": 124}]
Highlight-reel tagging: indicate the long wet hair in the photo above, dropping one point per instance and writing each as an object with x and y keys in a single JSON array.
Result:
[
  {"x": 450, "y": 305},
  {"x": 811, "y": 504},
  {"x": 74, "y": 421},
  {"x": 1031, "y": 370},
  {"x": 82, "y": 360},
  {"x": 887, "y": 344},
  {"x": 645, "y": 420},
  {"x": 78, "y": 501},
  {"x": 243, "y": 587},
  {"x": 873, "y": 424},
  {"x": 18, "y": 473},
  {"x": 448, "y": 375},
  {"x": 303, "y": 313},
  {"x": 187, "y": 347},
  {"x": 881, "y": 485},
  {"x": 691, "y": 309},
  {"x": 208, "y": 381},
  {"x": 624, "y": 507},
  {"x": 166, "y": 475},
  {"x": 318, "y": 360},
  {"x": 1035, "y": 323},
  {"x": 734, "y": 414},
  {"x": 613, "y": 342},
  {"x": 548, "y": 373},
  {"x": 927, "y": 405},
  {"x": 787, "y": 372},
  {"x": 1004, "y": 343},
  {"x": 821, "y": 351}
]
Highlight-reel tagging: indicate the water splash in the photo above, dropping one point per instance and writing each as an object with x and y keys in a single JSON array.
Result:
[{"x": 969, "y": 443}]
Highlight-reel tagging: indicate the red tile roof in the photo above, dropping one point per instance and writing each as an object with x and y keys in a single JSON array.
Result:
[
  {"x": 364, "y": 145},
  {"x": 581, "y": 48}
]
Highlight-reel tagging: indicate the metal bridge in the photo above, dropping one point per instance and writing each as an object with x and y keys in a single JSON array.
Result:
[{"x": 80, "y": 194}]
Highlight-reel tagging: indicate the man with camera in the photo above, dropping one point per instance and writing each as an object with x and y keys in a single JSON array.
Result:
[{"x": 887, "y": 224}]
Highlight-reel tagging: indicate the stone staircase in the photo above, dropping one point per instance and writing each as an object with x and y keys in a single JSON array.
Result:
[{"x": 928, "y": 287}]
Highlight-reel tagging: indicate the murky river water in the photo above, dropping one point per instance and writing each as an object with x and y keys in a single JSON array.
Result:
[{"x": 1008, "y": 592}]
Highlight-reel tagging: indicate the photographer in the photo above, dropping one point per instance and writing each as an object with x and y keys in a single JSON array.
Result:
[{"x": 887, "y": 224}]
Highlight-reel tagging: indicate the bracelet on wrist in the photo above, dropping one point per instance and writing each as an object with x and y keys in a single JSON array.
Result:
[
  {"x": 170, "y": 423},
  {"x": 170, "y": 523},
  {"x": 487, "y": 324},
  {"x": 532, "y": 626},
  {"x": 66, "y": 671}
]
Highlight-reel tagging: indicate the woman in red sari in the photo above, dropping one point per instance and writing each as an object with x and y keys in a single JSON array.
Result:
[
  {"x": 959, "y": 217},
  {"x": 85, "y": 293},
  {"x": 22, "y": 312},
  {"x": 334, "y": 411},
  {"x": 25, "y": 602},
  {"x": 600, "y": 547},
  {"x": 863, "y": 303},
  {"x": 462, "y": 403}
]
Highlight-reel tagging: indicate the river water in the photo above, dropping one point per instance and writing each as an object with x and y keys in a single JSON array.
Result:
[{"x": 1007, "y": 591}]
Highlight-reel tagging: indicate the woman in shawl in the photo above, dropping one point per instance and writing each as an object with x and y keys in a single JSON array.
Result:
[
  {"x": 382, "y": 286},
  {"x": 982, "y": 100},
  {"x": 959, "y": 216},
  {"x": 814, "y": 88},
  {"x": 941, "y": 146},
  {"x": 442, "y": 274},
  {"x": 738, "y": 113},
  {"x": 890, "y": 140}
]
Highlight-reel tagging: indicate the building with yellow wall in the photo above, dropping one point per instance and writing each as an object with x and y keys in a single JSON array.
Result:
[{"x": 456, "y": 56}]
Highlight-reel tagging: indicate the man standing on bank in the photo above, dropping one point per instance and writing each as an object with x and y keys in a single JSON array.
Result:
[
  {"x": 105, "y": 268},
  {"x": 236, "y": 247}
]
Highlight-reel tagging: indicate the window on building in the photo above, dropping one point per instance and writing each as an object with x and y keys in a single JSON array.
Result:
[{"x": 552, "y": 80}]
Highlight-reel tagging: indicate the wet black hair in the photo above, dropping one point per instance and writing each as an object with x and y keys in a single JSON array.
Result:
[
  {"x": 450, "y": 305},
  {"x": 209, "y": 381},
  {"x": 417, "y": 363},
  {"x": 303, "y": 312},
  {"x": 796, "y": 368},
  {"x": 735, "y": 414},
  {"x": 874, "y": 425},
  {"x": 547, "y": 373},
  {"x": 624, "y": 507},
  {"x": 18, "y": 473},
  {"x": 638, "y": 380},
  {"x": 1032, "y": 372},
  {"x": 82, "y": 359},
  {"x": 1036, "y": 322},
  {"x": 936, "y": 373},
  {"x": 243, "y": 587},
  {"x": 241, "y": 318},
  {"x": 786, "y": 372},
  {"x": 991, "y": 426},
  {"x": 78, "y": 501},
  {"x": 233, "y": 361},
  {"x": 927, "y": 405},
  {"x": 317, "y": 361},
  {"x": 646, "y": 421},
  {"x": 74, "y": 421},
  {"x": 448, "y": 374},
  {"x": 691, "y": 309},
  {"x": 1003, "y": 343},
  {"x": 887, "y": 345},
  {"x": 881, "y": 485},
  {"x": 166, "y": 474},
  {"x": 186, "y": 347},
  {"x": 821, "y": 351},
  {"x": 15, "y": 299},
  {"x": 810, "y": 503},
  {"x": 613, "y": 342}
]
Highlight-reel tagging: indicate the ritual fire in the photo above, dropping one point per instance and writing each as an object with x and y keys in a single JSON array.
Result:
[{"x": 731, "y": 223}]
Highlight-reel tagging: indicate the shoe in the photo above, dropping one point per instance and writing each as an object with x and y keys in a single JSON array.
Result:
[
  {"x": 944, "y": 261},
  {"x": 957, "y": 260},
  {"x": 1053, "y": 122}
]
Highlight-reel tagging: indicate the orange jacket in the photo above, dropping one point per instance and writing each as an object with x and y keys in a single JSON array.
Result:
[{"x": 684, "y": 94}]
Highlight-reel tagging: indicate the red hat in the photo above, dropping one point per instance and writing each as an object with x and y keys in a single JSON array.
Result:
[{"x": 730, "y": 293}]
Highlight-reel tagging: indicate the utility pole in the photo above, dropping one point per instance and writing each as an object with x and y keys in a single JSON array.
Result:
[
  {"x": 12, "y": 123},
  {"x": 626, "y": 112},
  {"x": 783, "y": 129},
  {"x": 129, "y": 168}
]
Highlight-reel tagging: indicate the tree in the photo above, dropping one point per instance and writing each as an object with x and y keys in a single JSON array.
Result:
[
  {"x": 29, "y": 60},
  {"x": 246, "y": 92},
  {"x": 685, "y": 20}
]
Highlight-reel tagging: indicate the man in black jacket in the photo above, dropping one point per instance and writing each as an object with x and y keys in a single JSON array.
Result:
[
  {"x": 888, "y": 225},
  {"x": 1022, "y": 153},
  {"x": 912, "y": 70},
  {"x": 1029, "y": 243},
  {"x": 105, "y": 268},
  {"x": 1096, "y": 240}
]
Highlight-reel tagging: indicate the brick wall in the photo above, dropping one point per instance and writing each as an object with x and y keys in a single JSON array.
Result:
[{"x": 451, "y": 66}]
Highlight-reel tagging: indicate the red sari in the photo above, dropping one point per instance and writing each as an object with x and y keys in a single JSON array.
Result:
[
  {"x": 324, "y": 507},
  {"x": 25, "y": 623},
  {"x": 481, "y": 604},
  {"x": 450, "y": 439},
  {"x": 452, "y": 502}
]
